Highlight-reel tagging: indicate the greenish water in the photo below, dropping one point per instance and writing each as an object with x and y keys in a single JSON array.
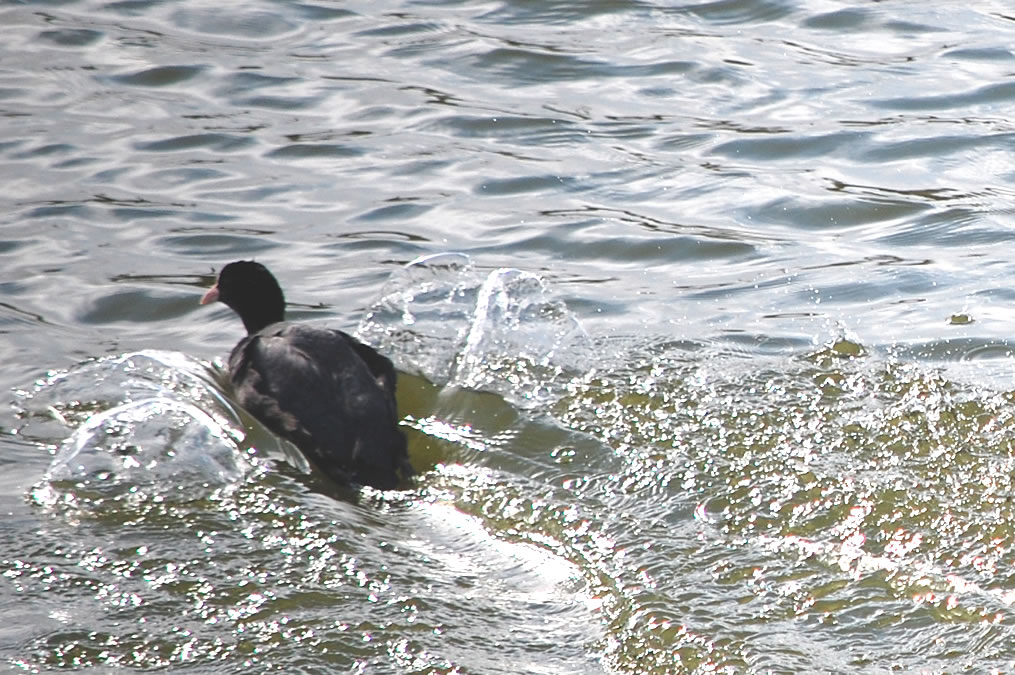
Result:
[{"x": 702, "y": 313}]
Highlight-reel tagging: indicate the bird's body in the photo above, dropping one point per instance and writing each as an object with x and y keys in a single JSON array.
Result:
[{"x": 322, "y": 389}]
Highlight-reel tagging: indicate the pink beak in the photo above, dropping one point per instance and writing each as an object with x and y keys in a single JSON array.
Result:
[{"x": 211, "y": 296}]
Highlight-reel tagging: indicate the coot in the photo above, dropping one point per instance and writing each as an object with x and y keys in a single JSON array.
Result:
[{"x": 322, "y": 389}]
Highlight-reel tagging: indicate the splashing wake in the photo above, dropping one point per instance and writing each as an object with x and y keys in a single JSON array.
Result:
[{"x": 502, "y": 331}]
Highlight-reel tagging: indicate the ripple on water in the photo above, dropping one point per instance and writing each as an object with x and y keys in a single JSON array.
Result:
[
  {"x": 554, "y": 12},
  {"x": 935, "y": 147},
  {"x": 160, "y": 76},
  {"x": 981, "y": 54},
  {"x": 968, "y": 100},
  {"x": 301, "y": 151},
  {"x": 957, "y": 226},
  {"x": 816, "y": 214},
  {"x": 71, "y": 37},
  {"x": 136, "y": 306},
  {"x": 171, "y": 179},
  {"x": 398, "y": 213},
  {"x": 246, "y": 22},
  {"x": 842, "y": 20},
  {"x": 790, "y": 146},
  {"x": 226, "y": 242},
  {"x": 740, "y": 11},
  {"x": 217, "y": 142}
]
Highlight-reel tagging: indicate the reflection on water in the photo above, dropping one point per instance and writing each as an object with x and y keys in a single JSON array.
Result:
[{"x": 719, "y": 382}]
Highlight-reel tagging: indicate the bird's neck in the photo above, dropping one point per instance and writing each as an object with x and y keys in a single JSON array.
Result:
[{"x": 255, "y": 321}]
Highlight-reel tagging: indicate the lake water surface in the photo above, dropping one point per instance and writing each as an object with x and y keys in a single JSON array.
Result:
[{"x": 702, "y": 312}]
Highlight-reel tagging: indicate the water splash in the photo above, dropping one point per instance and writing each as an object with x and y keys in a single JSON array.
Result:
[
  {"x": 502, "y": 331},
  {"x": 147, "y": 424},
  {"x": 157, "y": 444}
]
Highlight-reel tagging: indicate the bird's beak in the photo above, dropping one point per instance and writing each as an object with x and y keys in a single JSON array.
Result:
[{"x": 211, "y": 296}]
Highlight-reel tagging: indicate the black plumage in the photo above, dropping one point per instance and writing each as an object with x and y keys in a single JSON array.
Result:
[{"x": 322, "y": 389}]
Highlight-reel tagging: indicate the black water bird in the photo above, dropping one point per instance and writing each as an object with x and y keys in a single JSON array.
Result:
[{"x": 322, "y": 389}]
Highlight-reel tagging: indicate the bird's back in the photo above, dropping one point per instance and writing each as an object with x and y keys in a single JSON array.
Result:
[{"x": 328, "y": 393}]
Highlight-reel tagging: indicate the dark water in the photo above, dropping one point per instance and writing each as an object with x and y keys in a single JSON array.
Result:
[{"x": 702, "y": 313}]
